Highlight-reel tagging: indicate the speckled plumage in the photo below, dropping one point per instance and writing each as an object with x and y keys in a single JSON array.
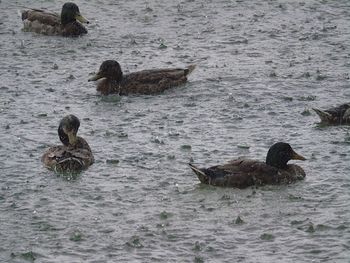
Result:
[
  {"x": 146, "y": 82},
  {"x": 242, "y": 173},
  {"x": 68, "y": 159}
]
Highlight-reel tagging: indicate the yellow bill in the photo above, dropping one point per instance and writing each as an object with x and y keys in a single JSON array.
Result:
[
  {"x": 96, "y": 77},
  {"x": 81, "y": 19},
  {"x": 296, "y": 156},
  {"x": 72, "y": 137}
]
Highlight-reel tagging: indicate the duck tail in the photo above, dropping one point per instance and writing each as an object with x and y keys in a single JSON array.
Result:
[
  {"x": 69, "y": 164},
  {"x": 189, "y": 69},
  {"x": 324, "y": 116},
  {"x": 24, "y": 14},
  {"x": 200, "y": 174}
]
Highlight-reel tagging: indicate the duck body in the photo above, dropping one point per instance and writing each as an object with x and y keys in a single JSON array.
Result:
[
  {"x": 48, "y": 23},
  {"x": 242, "y": 173},
  {"x": 146, "y": 82},
  {"x": 339, "y": 115},
  {"x": 74, "y": 155},
  {"x": 63, "y": 158}
]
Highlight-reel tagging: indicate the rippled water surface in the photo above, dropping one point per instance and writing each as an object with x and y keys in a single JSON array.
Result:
[{"x": 261, "y": 67}]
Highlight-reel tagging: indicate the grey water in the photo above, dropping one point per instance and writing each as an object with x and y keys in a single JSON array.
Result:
[{"x": 261, "y": 67}]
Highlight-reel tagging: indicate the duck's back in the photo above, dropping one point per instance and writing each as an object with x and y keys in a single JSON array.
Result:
[
  {"x": 153, "y": 81},
  {"x": 41, "y": 16},
  {"x": 242, "y": 173},
  {"x": 69, "y": 159},
  {"x": 41, "y": 21}
]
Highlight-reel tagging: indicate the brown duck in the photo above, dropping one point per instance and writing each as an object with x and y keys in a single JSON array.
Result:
[
  {"x": 335, "y": 116},
  {"x": 147, "y": 82},
  {"x": 44, "y": 22},
  {"x": 242, "y": 173},
  {"x": 74, "y": 155}
]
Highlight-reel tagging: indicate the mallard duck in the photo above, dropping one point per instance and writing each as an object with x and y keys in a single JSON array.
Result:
[
  {"x": 242, "y": 173},
  {"x": 74, "y": 155},
  {"x": 146, "y": 82},
  {"x": 48, "y": 23},
  {"x": 336, "y": 116}
]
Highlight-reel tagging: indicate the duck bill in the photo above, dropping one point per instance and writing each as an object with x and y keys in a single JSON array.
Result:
[
  {"x": 81, "y": 19},
  {"x": 296, "y": 156},
  {"x": 96, "y": 77},
  {"x": 72, "y": 137}
]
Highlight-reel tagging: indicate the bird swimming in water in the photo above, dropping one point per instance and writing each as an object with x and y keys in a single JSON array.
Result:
[
  {"x": 242, "y": 173},
  {"x": 339, "y": 115},
  {"x": 67, "y": 24},
  {"x": 147, "y": 82},
  {"x": 74, "y": 155}
]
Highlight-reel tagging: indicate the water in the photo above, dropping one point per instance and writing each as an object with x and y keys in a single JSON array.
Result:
[{"x": 261, "y": 67}]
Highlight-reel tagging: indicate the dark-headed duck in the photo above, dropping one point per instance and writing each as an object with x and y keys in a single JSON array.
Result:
[
  {"x": 67, "y": 24},
  {"x": 242, "y": 173},
  {"x": 147, "y": 82}
]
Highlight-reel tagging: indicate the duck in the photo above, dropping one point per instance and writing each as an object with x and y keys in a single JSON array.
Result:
[
  {"x": 339, "y": 115},
  {"x": 146, "y": 82},
  {"x": 67, "y": 24},
  {"x": 242, "y": 173},
  {"x": 74, "y": 155}
]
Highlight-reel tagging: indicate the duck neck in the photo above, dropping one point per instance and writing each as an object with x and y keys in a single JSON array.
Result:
[
  {"x": 63, "y": 136},
  {"x": 114, "y": 82},
  {"x": 66, "y": 19},
  {"x": 275, "y": 161},
  {"x": 114, "y": 86}
]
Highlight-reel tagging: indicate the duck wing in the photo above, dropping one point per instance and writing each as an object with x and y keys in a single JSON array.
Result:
[
  {"x": 154, "y": 81},
  {"x": 42, "y": 22},
  {"x": 63, "y": 159},
  {"x": 242, "y": 173},
  {"x": 42, "y": 16}
]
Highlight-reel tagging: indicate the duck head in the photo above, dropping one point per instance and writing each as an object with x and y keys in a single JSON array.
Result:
[
  {"x": 70, "y": 13},
  {"x": 109, "y": 69},
  {"x": 68, "y": 129},
  {"x": 280, "y": 153}
]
